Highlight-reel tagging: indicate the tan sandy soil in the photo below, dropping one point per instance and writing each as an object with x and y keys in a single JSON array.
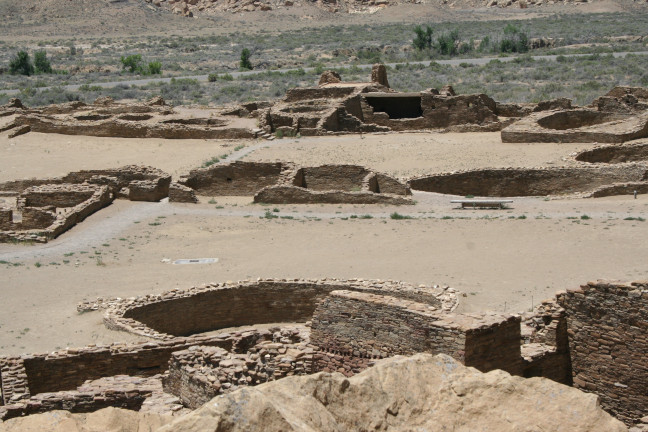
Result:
[
  {"x": 499, "y": 263},
  {"x": 413, "y": 154},
  {"x": 49, "y": 155}
]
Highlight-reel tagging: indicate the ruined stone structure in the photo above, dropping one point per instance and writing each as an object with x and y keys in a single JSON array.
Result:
[
  {"x": 335, "y": 106},
  {"x": 45, "y": 208},
  {"x": 106, "y": 118},
  {"x": 592, "y": 336},
  {"x": 607, "y": 326},
  {"x": 578, "y": 125},
  {"x": 283, "y": 183},
  {"x": 510, "y": 182}
]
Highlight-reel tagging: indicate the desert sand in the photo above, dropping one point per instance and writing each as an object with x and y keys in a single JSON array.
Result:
[{"x": 503, "y": 260}]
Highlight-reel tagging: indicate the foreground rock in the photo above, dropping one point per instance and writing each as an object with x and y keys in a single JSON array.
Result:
[
  {"x": 105, "y": 420},
  {"x": 393, "y": 396}
]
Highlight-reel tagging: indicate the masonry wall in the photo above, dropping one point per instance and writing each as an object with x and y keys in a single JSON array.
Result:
[
  {"x": 608, "y": 340},
  {"x": 334, "y": 177},
  {"x": 527, "y": 181},
  {"x": 377, "y": 326},
  {"x": 237, "y": 305},
  {"x": 237, "y": 178}
]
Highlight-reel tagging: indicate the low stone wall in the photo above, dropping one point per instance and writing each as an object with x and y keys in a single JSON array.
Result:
[
  {"x": 114, "y": 127},
  {"x": 181, "y": 193},
  {"x": 615, "y": 154},
  {"x": 580, "y": 125},
  {"x": 198, "y": 374},
  {"x": 511, "y": 182},
  {"x": 298, "y": 195},
  {"x": 384, "y": 326},
  {"x": 115, "y": 178},
  {"x": 608, "y": 339},
  {"x": 42, "y": 382},
  {"x": 236, "y": 178},
  {"x": 64, "y": 195},
  {"x": 43, "y": 223},
  {"x": 207, "y": 308}
]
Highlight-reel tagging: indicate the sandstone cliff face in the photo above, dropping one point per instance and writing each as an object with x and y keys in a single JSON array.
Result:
[{"x": 423, "y": 392}]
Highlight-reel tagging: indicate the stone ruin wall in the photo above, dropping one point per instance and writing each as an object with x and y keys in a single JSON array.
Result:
[
  {"x": 597, "y": 331},
  {"x": 40, "y": 205},
  {"x": 614, "y": 154},
  {"x": 210, "y": 307},
  {"x": 508, "y": 182},
  {"x": 384, "y": 326},
  {"x": 200, "y": 373},
  {"x": 237, "y": 178},
  {"x": 608, "y": 340},
  {"x": 105, "y": 118},
  {"x": 51, "y": 206},
  {"x": 286, "y": 183}
]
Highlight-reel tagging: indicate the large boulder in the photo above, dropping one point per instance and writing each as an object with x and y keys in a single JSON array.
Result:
[
  {"x": 423, "y": 392},
  {"x": 104, "y": 420}
]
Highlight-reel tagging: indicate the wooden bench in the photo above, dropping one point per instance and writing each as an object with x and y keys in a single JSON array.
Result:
[{"x": 482, "y": 203}]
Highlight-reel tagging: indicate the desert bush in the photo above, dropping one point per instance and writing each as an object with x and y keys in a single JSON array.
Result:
[
  {"x": 42, "y": 63},
  {"x": 423, "y": 38},
  {"x": 21, "y": 64},
  {"x": 132, "y": 62},
  {"x": 155, "y": 68},
  {"x": 245, "y": 62}
]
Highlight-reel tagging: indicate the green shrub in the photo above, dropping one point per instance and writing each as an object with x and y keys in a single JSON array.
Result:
[
  {"x": 245, "y": 59},
  {"x": 42, "y": 63},
  {"x": 21, "y": 64},
  {"x": 212, "y": 77},
  {"x": 447, "y": 43},
  {"x": 155, "y": 68}
]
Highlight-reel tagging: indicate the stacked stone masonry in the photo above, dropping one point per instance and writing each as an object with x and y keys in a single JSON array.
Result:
[
  {"x": 283, "y": 183},
  {"x": 365, "y": 325},
  {"x": 594, "y": 336},
  {"x": 48, "y": 207},
  {"x": 608, "y": 339}
]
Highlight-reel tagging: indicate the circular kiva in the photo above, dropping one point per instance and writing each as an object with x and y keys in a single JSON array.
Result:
[{"x": 223, "y": 305}]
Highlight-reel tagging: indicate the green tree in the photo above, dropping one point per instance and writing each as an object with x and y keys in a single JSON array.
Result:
[
  {"x": 132, "y": 63},
  {"x": 245, "y": 59},
  {"x": 423, "y": 39},
  {"x": 515, "y": 40},
  {"x": 42, "y": 63},
  {"x": 447, "y": 43},
  {"x": 21, "y": 64}
]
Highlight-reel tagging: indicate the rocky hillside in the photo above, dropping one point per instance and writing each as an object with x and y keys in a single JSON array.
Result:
[
  {"x": 391, "y": 396},
  {"x": 191, "y": 8}
]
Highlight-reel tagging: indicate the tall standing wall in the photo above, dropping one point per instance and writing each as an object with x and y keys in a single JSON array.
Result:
[{"x": 608, "y": 340}]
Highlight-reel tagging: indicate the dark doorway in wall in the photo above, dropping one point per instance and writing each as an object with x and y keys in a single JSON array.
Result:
[{"x": 397, "y": 106}]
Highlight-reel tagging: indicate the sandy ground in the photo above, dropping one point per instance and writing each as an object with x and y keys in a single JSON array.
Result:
[
  {"x": 49, "y": 155},
  {"x": 413, "y": 154},
  {"x": 504, "y": 260}
]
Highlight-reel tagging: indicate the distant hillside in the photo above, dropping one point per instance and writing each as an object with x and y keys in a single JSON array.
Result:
[{"x": 52, "y": 19}]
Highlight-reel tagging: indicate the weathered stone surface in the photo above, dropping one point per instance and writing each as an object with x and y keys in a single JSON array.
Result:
[
  {"x": 104, "y": 420},
  {"x": 607, "y": 324},
  {"x": 404, "y": 393},
  {"x": 379, "y": 75},
  {"x": 511, "y": 182},
  {"x": 181, "y": 193},
  {"x": 329, "y": 77},
  {"x": 577, "y": 125}
]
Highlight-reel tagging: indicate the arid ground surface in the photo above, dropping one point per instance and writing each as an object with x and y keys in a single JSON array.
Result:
[{"x": 499, "y": 259}]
